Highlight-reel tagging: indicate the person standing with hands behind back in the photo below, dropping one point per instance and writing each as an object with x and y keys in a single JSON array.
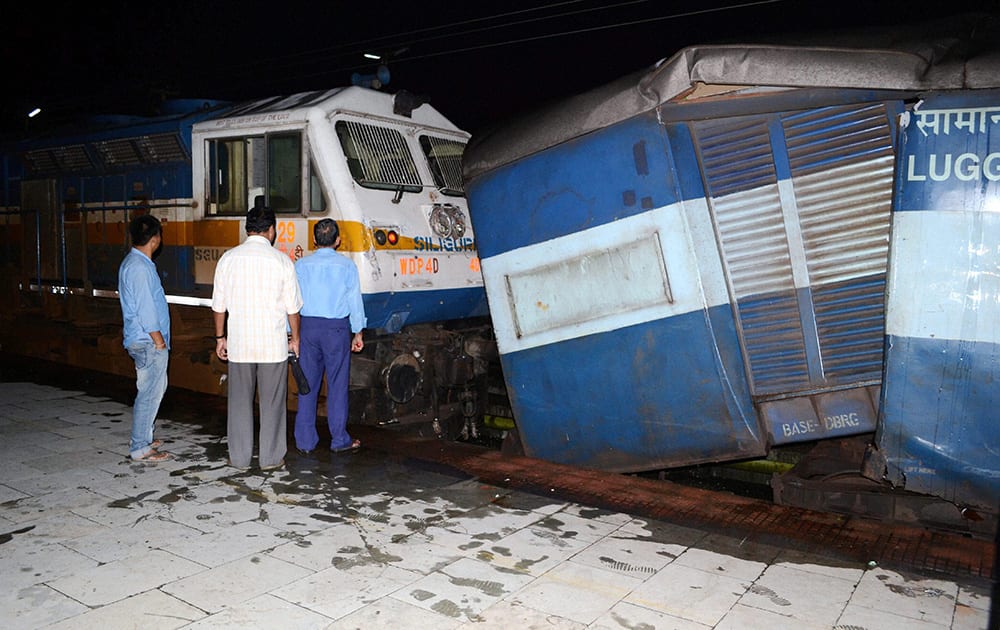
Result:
[
  {"x": 333, "y": 317},
  {"x": 145, "y": 333},
  {"x": 256, "y": 285}
]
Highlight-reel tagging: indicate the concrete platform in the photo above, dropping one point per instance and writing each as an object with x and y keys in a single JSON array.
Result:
[{"x": 373, "y": 539}]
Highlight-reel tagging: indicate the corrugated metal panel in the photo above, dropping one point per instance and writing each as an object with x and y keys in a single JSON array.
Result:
[
  {"x": 753, "y": 236},
  {"x": 841, "y": 164},
  {"x": 740, "y": 176},
  {"x": 774, "y": 341},
  {"x": 736, "y": 155},
  {"x": 850, "y": 321},
  {"x": 841, "y": 160}
]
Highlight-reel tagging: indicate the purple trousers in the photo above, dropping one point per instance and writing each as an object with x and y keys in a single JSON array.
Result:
[{"x": 324, "y": 348}]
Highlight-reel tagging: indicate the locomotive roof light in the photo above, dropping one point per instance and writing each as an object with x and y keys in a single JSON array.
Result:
[
  {"x": 375, "y": 81},
  {"x": 392, "y": 237}
]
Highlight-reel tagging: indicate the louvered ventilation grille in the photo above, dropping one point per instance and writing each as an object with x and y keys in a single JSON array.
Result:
[
  {"x": 160, "y": 148},
  {"x": 842, "y": 169},
  {"x": 742, "y": 184},
  {"x": 58, "y": 159},
  {"x": 153, "y": 149}
]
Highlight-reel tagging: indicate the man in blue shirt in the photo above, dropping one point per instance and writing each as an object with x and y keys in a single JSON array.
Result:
[
  {"x": 146, "y": 333},
  {"x": 333, "y": 316}
]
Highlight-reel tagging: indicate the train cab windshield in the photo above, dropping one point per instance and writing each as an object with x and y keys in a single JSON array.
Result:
[
  {"x": 445, "y": 160},
  {"x": 261, "y": 169},
  {"x": 378, "y": 157}
]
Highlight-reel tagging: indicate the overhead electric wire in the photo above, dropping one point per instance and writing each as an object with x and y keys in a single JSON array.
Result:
[
  {"x": 362, "y": 46},
  {"x": 521, "y": 40},
  {"x": 316, "y": 55},
  {"x": 368, "y": 43},
  {"x": 594, "y": 28},
  {"x": 523, "y": 22}
]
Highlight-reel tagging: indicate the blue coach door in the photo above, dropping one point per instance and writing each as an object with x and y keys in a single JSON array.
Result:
[
  {"x": 801, "y": 206},
  {"x": 938, "y": 433}
]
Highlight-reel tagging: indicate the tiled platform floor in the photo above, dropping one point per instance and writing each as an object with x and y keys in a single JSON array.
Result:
[{"x": 89, "y": 539}]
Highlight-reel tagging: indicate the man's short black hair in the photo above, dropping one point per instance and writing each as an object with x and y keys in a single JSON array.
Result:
[
  {"x": 259, "y": 220},
  {"x": 142, "y": 228},
  {"x": 326, "y": 232}
]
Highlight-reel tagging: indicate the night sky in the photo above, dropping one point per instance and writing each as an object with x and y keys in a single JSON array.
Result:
[{"x": 477, "y": 61}]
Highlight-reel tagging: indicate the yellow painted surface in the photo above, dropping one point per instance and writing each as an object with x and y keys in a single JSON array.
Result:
[
  {"x": 175, "y": 233},
  {"x": 354, "y": 236},
  {"x": 226, "y": 233},
  {"x": 216, "y": 233},
  {"x": 178, "y": 233}
]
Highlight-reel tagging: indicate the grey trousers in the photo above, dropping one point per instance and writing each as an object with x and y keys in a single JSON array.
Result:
[{"x": 271, "y": 383}]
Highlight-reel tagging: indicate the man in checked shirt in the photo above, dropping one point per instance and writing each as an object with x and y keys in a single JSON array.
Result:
[{"x": 256, "y": 285}]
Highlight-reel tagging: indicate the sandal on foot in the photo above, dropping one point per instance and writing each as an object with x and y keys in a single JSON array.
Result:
[
  {"x": 275, "y": 467},
  {"x": 153, "y": 456},
  {"x": 355, "y": 445},
  {"x": 156, "y": 444}
]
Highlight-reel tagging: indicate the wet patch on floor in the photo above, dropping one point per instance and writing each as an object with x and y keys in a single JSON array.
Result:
[
  {"x": 129, "y": 502},
  {"x": 764, "y": 591},
  {"x": 9, "y": 536},
  {"x": 625, "y": 567}
]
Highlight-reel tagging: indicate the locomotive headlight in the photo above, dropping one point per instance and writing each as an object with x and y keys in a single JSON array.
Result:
[
  {"x": 447, "y": 221},
  {"x": 442, "y": 222},
  {"x": 458, "y": 228}
]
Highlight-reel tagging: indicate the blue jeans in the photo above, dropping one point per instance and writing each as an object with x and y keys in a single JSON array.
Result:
[{"x": 151, "y": 384}]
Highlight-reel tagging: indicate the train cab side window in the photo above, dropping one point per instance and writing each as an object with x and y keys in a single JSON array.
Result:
[
  {"x": 378, "y": 157},
  {"x": 255, "y": 169},
  {"x": 284, "y": 173},
  {"x": 317, "y": 198},
  {"x": 445, "y": 160},
  {"x": 226, "y": 174}
]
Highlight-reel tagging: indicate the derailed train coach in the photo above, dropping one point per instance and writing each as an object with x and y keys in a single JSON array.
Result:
[
  {"x": 386, "y": 167},
  {"x": 751, "y": 246},
  {"x": 937, "y": 432}
]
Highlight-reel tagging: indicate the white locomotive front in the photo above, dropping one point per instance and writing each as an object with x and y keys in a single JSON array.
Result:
[{"x": 387, "y": 168}]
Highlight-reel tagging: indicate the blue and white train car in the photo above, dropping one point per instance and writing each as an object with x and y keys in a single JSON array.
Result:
[
  {"x": 941, "y": 391},
  {"x": 690, "y": 265}
]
